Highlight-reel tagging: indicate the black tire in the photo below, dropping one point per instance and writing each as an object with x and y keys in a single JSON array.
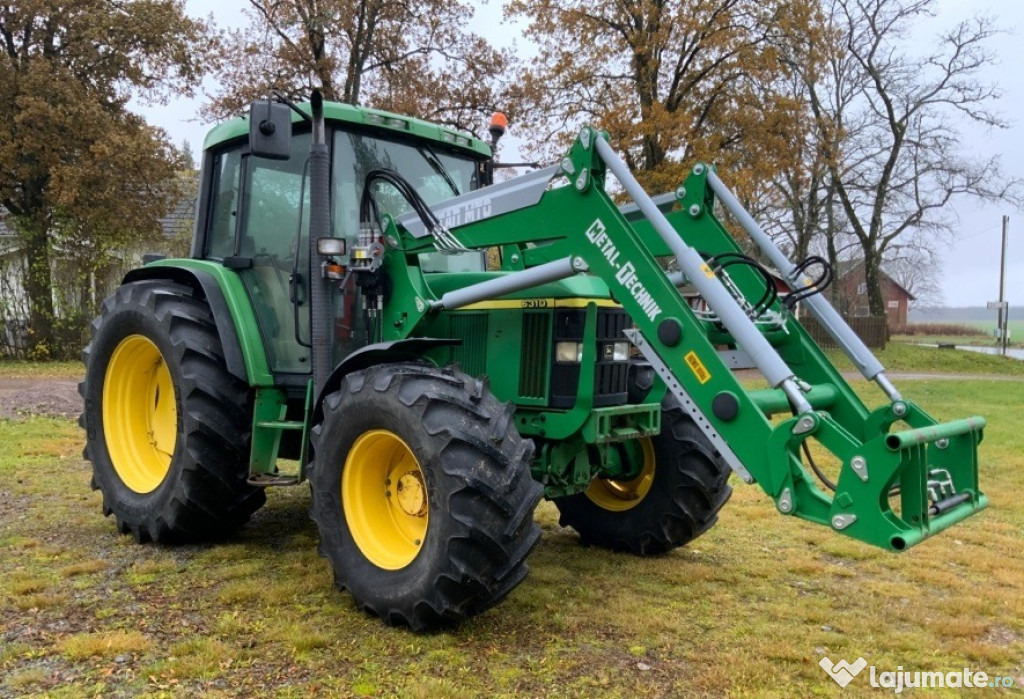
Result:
[
  {"x": 203, "y": 493},
  {"x": 689, "y": 487},
  {"x": 477, "y": 513}
]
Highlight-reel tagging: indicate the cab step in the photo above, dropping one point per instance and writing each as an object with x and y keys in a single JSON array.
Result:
[
  {"x": 268, "y": 427},
  {"x": 280, "y": 424},
  {"x": 265, "y": 480}
]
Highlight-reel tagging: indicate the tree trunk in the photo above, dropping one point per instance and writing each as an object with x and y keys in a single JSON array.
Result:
[
  {"x": 653, "y": 154},
  {"x": 38, "y": 286},
  {"x": 872, "y": 262},
  {"x": 802, "y": 244},
  {"x": 836, "y": 290},
  {"x": 830, "y": 247}
]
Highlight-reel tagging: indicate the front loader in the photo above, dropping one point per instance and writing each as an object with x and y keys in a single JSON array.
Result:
[{"x": 339, "y": 321}]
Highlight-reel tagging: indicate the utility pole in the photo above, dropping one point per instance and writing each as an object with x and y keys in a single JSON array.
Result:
[{"x": 1004, "y": 310}]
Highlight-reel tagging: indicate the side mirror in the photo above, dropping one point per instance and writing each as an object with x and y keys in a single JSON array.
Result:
[{"x": 270, "y": 130}]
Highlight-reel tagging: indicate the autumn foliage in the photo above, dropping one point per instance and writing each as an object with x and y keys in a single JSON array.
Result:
[
  {"x": 80, "y": 175},
  {"x": 672, "y": 81}
]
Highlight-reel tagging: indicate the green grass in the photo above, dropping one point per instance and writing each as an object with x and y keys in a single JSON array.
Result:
[
  {"x": 748, "y": 609},
  {"x": 910, "y": 358},
  {"x": 52, "y": 370}
]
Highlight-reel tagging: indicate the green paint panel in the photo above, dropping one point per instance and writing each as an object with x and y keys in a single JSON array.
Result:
[
  {"x": 241, "y": 313},
  {"x": 267, "y": 425},
  {"x": 361, "y": 116},
  {"x": 472, "y": 353},
  {"x": 622, "y": 422}
]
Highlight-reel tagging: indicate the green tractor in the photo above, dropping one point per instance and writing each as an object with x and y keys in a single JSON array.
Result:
[{"x": 364, "y": 309}]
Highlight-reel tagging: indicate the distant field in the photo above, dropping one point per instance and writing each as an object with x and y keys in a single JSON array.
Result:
[
  {"x": 1016, "y": 328},
  {"x": 904, "y": 356},
  {"x": 985, "y": 336}
]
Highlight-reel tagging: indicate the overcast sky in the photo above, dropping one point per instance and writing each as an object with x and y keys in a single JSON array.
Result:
[{"x": 970, "y": 274}]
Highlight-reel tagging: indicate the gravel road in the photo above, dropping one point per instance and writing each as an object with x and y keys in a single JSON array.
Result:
[{"x": 25, "y": 397}]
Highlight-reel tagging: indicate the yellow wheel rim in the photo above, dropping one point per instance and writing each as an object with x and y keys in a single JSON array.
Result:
[
  {"x": 619, "y": 496},
  {"x": 384, "y": 496},
  {"x": 140, "y": 419}
]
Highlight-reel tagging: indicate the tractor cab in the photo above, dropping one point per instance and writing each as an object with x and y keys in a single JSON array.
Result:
[{"x": 254, "y": 212}]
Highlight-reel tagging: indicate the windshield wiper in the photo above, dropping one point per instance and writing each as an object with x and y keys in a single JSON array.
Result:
[{"x": 429, "y": 156}]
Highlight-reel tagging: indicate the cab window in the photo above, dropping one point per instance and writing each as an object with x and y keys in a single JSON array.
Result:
[{"x": 220, "y": 237}]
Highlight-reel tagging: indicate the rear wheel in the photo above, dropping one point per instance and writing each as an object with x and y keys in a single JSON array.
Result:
[
  {"x": 422, "y": 494},
  {"x": 676, "y": 497},
  {"x": 167, "y": 426}
]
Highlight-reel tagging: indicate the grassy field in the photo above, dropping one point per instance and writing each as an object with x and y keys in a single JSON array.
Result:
[
  {"x": 899, "y": 357},
  {"x": 50, "y": 370},
  {"x": 1016, "y": 328},
  {"x": 747, "y": 610},
  {"x": 983, "y": 338}
]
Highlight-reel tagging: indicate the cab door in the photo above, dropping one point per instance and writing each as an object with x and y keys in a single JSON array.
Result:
[{"x": 258, "y": 224}]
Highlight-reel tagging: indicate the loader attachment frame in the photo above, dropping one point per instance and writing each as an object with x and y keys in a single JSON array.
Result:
[{"x": 903, "y": 475}]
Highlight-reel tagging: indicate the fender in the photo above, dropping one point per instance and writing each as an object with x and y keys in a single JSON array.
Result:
[
  {"x": 204, "y": 282},
  {"x": 408, "y": 349}
]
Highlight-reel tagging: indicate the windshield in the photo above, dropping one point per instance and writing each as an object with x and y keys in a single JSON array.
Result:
[{"x": 435, "y": 175}]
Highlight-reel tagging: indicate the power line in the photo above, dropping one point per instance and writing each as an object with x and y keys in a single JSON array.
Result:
[{"x": 977, "y": 233}]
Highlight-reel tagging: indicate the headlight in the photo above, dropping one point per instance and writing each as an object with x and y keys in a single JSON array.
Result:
[
  {"x": 332, "y": 247},
  {"x": 568, "y": 351}
]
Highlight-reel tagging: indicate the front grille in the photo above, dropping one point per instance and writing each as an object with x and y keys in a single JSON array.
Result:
[
  {"x": 610, "y": 377},
  {"x": 471, "y": 328},
  {"x": 611, "y": 322},
  {"x": 533, "y": 356},
  {"x": 610, "y": 383}
]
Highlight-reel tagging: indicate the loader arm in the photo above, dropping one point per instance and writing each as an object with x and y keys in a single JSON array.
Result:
[{"x": 894, "y": 489}]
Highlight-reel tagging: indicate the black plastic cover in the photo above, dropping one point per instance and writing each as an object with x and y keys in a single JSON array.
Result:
[{"x": 270, "y": 130}]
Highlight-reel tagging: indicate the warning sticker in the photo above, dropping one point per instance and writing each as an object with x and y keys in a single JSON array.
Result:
[{"x": 697, "y": 367}]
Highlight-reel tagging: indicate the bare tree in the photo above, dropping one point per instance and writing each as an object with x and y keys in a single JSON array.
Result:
[
  {"x": 794, "y": 208},
  {"x": 916, "y": 268},
  {"x": 888, "y": 124}
]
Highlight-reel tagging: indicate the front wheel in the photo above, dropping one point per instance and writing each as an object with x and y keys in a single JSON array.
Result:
[
  {"x": 422, "y": 494},
  {"x": 681, "y": 486}
]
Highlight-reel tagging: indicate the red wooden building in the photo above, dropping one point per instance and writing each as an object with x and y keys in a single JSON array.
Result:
[{"x": 853, "y": 295}]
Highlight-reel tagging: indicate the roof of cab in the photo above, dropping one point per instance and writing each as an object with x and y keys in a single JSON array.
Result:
[{"x": 363, "y": 116}]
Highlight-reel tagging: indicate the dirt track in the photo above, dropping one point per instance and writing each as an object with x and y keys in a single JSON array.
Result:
[{"x": 25, "y": 397}]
